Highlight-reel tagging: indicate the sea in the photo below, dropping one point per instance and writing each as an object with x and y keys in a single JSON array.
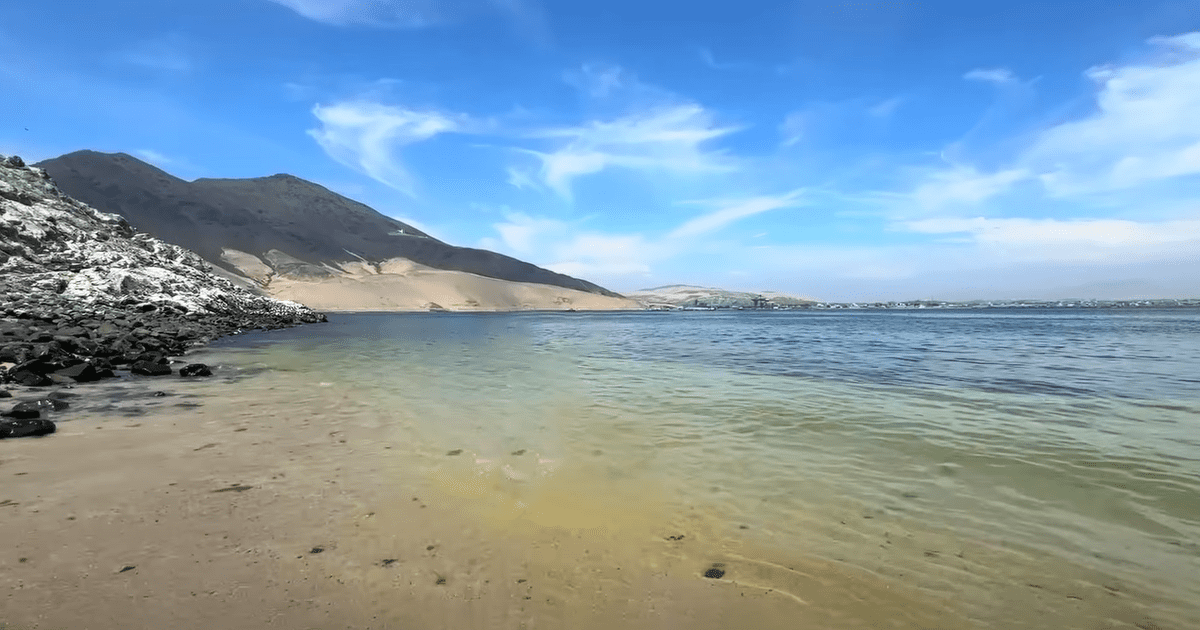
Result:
[{"x": 1026, "y": 467}]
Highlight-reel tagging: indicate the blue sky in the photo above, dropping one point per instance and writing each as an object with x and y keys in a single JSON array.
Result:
[{"x": 842, "y": 150}]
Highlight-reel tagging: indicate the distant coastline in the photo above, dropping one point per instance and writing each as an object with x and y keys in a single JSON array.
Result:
[{"x": 938, "y": 304}]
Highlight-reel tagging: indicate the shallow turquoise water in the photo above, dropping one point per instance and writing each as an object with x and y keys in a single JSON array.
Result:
[{"x": 1070, "y": 434}]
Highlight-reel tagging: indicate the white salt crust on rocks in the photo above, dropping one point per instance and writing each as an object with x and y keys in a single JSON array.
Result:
[{"x": 56, "y": 247}]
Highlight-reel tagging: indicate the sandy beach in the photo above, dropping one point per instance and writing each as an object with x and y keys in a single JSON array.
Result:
[
  {"x": 399, "y": 285},
  {"x": 448, "y": 472},
  {"x": 239, "y": 514}
]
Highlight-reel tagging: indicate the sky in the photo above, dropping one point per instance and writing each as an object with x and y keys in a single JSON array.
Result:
[{"x": 843, "y": 150}]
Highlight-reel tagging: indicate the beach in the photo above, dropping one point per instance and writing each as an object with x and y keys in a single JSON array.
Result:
[
  {"x": 292, "y": 491},
  {"x": 238, "y": 515}
]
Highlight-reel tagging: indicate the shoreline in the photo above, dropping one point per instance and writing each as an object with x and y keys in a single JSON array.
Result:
[
  {"x": 262, "y": 516},
  {"x": 218, "y": 494}
]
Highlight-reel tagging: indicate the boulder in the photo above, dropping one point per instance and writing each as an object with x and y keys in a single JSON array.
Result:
[
  {"x": 195, "y": 369},
  {"x": 26, "y": 427},
  {"x": 81, "y": 373},
  {"x": 147, "y": 368},
  {"x": 29, "y": 379},
  {"x": 22, "y": 412},
  {"x": 34, "y": 408}
]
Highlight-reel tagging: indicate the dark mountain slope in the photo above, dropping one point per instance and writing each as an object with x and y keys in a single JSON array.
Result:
[{"x": 280, "y": 212}]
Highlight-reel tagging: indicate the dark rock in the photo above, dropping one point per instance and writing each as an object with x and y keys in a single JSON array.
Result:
[
  {"x": 22, "y": 412},
  {"x": 80, "y": 373},
  {"x": 29, "y": 379},
  {"x": 43, "y": 365},
  {"x": 43, "y": 404},
  {"x": 4, "y": 393},
  {"x": 146, "y": 368},
  {"x": 195, "y": 369},
  {"x": 26, "y": 428}
]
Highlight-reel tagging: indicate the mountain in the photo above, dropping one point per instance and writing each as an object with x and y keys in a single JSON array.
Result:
[
  {"x": 681, "y": 295},
  {"x": 280, "y": 227}
]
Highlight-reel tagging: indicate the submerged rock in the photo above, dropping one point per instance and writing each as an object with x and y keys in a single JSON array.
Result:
[
  {"x": 44, "y": 404},
  {"x": 150, "y": 368},
  {"x": 26, "y": 427},
  {"x": 195, "y": 369}
]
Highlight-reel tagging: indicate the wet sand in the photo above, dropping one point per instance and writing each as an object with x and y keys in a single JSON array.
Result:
[{"x": 266, "y": 504}]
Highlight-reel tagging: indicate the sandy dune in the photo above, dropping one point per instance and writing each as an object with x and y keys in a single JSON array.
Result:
[{"x": 402, "y": 285}]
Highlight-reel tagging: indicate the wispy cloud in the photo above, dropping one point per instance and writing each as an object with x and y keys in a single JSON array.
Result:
[
  {"x": 710, "y": 60},
  {"x": 525, "y": 15},
  {"x": 599, "y": 80},
  {"x": 886, "y": 107},
  {"x": 385, "y": 13},
  {"x": 573, "y": 249},
  {"x": 1082, "y": 240},
  {"x": 666, "y": 139},
  {"x": 1144, "y": 130},
  {"x": 630, "y": 257},
  {"x": 963, "y": 186},
  {"x": 730, "y": 212},
  {"x": 153, "y": 157},
  {"x": 368, "y": 136},
  {"x": 998, "y": 76},
  {"x": 1145, "y": 127},
  {"x": 795, "y": 127}
]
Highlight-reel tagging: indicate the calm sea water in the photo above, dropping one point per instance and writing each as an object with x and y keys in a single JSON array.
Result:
[{"x": 1049, "y": 438}]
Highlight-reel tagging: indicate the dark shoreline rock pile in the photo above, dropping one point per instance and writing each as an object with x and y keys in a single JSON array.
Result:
[{"x": 84, "y": 295}]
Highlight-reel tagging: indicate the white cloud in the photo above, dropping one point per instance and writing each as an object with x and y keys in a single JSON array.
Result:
[
  {"x": 734, "y": 211},
  {"x": 795, "y": 127},
  {"x": 1145, "y": 127},
  {"x": 414, "y": 14},
  {"x": 521, "y": 179},
  {"x": 963, "y": 185},
  {"x": 393, "y": 13},
  {"x": 366, "y": 136},
  {"x": 623, "y": 258},
  {"x": 523, "y": 234},
  {"x": 563, "y": 247},
  {"x": 154, "y": 157},
  {"x": 1144, "y": 130},
  {"x": 599, "y": 81},
  {"x": 1112, "y": 241},
  {"x": 664, "y": 139},
  {"x": 605, "y": 255},
  {"x": 999, "y": 76},
  {"x": 885, "y": 108},
  {"x": 710, "y": 60}
]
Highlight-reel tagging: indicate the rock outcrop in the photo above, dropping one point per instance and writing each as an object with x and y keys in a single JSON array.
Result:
[{"x": 82, "y": 292}]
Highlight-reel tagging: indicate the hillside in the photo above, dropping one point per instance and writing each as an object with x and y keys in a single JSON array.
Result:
[{"x": 280, "y": 227}]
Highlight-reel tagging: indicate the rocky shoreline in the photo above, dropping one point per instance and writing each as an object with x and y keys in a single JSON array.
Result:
[{"x": 85, "y": 297}]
